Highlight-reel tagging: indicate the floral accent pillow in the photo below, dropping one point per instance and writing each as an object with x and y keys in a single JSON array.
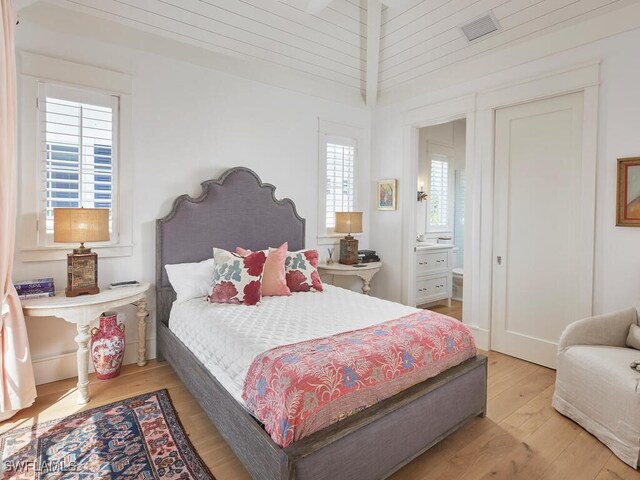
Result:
[
  {"x": 302, "y": 271},
  {"x": 274, "y": 283},
  {"x": 237, "y": 279}
]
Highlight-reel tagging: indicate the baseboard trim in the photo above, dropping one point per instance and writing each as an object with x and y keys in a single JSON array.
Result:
[
  {"x": 59, "y": 367},
  {"x": 481, "y": 336}
]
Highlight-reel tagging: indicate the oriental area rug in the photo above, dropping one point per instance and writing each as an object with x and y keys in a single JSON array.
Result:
[{"x": 140, "y": 437}]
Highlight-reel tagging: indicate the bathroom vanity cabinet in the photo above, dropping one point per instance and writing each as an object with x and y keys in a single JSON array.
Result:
[{"x": 434, "y": 266}]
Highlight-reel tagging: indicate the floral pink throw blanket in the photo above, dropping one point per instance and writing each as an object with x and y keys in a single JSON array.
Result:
[{"x": 298, "y": 389}]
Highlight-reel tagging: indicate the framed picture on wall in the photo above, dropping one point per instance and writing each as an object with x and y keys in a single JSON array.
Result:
[
  {"x": 387, "y": 194},
  {"x": 628, "y": 192}
]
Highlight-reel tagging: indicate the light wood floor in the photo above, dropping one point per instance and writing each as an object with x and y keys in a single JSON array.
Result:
[
  {"x": 522, "y": 436},
  {"x": 454, "y": 311}
]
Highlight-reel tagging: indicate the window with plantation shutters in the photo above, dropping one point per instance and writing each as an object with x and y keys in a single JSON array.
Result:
[
  {"x": 339, "y": 194},
  {"x": 439, "y": 193},
  {"x": 77, "y": 151},
  {"x": 339, "y": 175}
]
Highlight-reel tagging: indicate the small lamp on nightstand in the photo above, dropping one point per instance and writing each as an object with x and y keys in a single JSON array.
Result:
[
  {"x": 79, "y": 225},
  {"x": 348, "y": 222}
]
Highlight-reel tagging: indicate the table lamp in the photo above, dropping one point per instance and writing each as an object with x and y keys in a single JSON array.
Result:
[
  {"x": 348, "y": 222},
  {"x": 79, "y": 225}
]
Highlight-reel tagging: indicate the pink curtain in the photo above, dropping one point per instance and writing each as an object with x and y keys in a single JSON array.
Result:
[{"x": 17, "y": 385}]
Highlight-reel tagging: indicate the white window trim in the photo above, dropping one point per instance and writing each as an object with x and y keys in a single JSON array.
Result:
[
  {"x": 38, "y": 68},
  {"x": 330, "y": 129},
  {"x": 45, "y": 239},
  {"x": 439, "y": 149}
]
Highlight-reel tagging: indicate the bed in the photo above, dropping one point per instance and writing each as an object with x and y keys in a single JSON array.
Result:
[{"x": 372, "y": 443}]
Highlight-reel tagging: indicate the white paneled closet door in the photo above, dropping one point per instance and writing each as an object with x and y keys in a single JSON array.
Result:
[{"x": 543, "y": 227}]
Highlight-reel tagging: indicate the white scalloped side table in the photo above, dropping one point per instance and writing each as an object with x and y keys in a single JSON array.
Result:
[
  {"x": 365, "y": 271},
  {"x": 84, "y": 309}
]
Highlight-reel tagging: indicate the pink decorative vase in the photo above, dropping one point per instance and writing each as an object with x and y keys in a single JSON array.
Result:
[{"x": 107, "y": 346}]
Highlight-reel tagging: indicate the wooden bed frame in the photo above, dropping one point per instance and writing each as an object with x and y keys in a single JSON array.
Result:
[{"x": 238, "y": 209}]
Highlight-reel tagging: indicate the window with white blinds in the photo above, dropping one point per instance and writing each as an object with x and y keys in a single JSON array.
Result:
[
  {"x": 78, "y": 152},
  {"x": 340, "y": 178},
  {"x": 439, "y": 191}
]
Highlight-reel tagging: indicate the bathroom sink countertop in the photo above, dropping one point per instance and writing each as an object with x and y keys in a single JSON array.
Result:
[{"x": 431, "y": 246}]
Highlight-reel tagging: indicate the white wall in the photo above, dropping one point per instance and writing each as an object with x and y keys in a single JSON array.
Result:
[
  {"x": 617, "y": 256},
  {"x": 189, "y": 124},
  {"x": 460, "y": 143}
]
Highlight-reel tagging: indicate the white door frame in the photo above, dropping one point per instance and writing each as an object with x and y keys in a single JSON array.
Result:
[
  {"x": 479, "y": 108},
  {"x": 429, "y": 115}
]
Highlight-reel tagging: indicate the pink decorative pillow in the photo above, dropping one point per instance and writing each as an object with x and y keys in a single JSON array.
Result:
[
  {"x": 237, "y": 279},
  {"x": 274, "y": 282},
  {"x": 302, "y": 271}
]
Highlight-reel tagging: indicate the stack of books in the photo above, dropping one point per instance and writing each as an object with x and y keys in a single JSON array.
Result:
[
  {"x": 368, "y": 256},
  {"x": 42, "y": 287}
]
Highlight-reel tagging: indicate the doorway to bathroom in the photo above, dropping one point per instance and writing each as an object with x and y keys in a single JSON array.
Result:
[{"x": 440, "y": 217}]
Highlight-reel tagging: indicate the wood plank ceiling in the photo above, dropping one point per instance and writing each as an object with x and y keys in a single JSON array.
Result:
[{"x": 332, "y": 45}]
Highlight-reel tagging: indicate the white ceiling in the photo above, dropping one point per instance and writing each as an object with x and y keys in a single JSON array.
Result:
[{"x": 336, "y": 45}]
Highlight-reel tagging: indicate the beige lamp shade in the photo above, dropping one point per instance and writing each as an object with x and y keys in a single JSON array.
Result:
[
  {"x": 348, "y": 222},
  {"x": 79, "y": 225}
]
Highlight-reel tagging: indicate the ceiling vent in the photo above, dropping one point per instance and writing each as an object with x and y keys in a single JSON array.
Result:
[{"x": 480, "y": 27}]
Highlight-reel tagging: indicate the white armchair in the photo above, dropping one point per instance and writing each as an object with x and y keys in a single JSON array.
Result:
[{"x": 595, "y": 385}]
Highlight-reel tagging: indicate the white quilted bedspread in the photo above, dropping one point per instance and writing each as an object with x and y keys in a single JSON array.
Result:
[{"x": 226, "y": 338}]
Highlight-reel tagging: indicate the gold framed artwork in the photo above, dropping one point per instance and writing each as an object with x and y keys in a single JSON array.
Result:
[
  {"x": 628, "y": 214},
  {"x": 387, "y": 194}
]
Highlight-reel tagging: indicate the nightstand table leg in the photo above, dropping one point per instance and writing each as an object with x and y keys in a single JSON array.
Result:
[
  {"x": 365, "y": 286},
  {"x": 142, "y": 332},
  {"x": 82, "y": 339}
]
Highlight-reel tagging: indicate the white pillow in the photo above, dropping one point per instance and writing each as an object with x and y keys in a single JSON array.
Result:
[
  {"x": 191, "y": 280},
  {"x": 633, "y": 339}
]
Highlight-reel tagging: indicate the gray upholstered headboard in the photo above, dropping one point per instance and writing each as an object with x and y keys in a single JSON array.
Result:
[{"x": 235, "y": 210}]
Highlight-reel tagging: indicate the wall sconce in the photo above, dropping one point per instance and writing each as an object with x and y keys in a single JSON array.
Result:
[{"x": 421, "y": 195}]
